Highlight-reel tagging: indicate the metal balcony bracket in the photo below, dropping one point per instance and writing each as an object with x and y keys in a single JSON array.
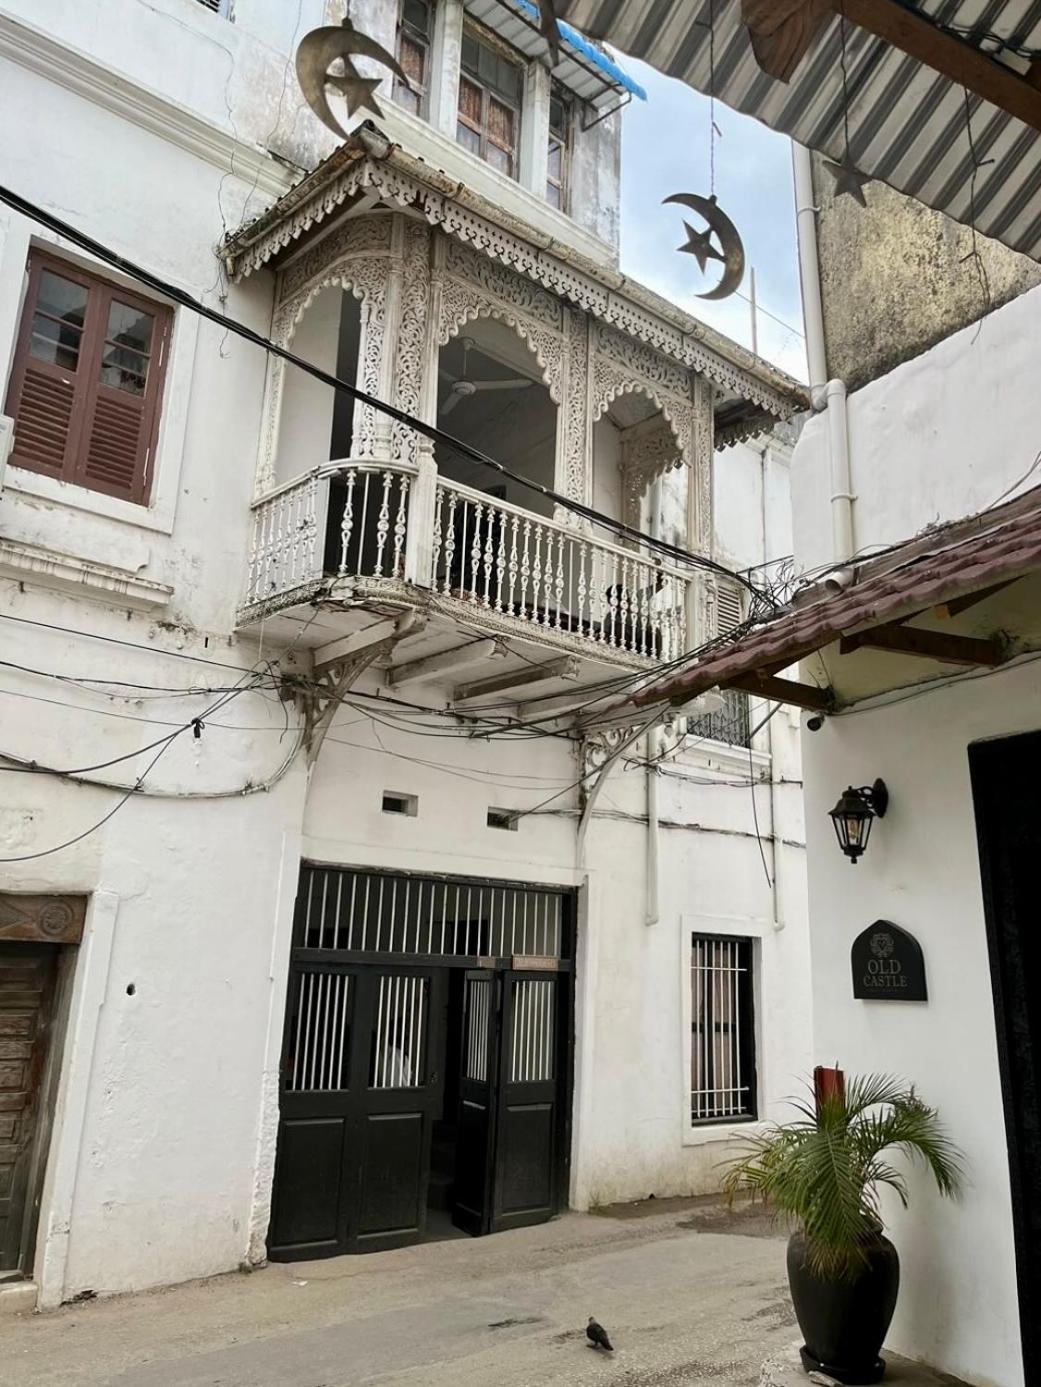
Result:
[
  {"x": 324, "y": 694},
  {"x": 600, "y": 753}
]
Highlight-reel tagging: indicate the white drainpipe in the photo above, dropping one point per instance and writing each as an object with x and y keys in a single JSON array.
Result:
[{"x": 829, "y": 395}]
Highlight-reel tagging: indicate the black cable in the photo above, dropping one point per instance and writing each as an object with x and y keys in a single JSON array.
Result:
[{"x": 180, "y": 296}]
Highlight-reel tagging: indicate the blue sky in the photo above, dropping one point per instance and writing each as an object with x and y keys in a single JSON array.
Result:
[{"x": 665, "y": 149}]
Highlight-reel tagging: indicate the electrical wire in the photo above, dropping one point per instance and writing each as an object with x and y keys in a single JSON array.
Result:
[{"x": 177, "y": 295}]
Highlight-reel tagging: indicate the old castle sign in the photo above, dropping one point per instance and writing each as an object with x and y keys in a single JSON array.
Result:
[{"x": 888, "y": 965}]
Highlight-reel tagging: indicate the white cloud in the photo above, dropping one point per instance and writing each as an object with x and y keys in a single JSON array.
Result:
[{"x": 665, "y": 149}]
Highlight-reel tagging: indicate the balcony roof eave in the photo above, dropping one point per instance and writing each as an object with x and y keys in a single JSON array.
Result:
[{"x": 369, "y": 162}]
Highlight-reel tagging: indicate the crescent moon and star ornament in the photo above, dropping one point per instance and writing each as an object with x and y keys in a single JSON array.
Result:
[
  {"x": 315, "y": 55},
  {"x": 730, "y": 252},
  {"x": 848, "y": 179}
]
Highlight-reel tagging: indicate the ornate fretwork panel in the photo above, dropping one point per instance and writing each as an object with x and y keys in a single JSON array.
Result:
[
  {"x": 648, "y": 451},
  {"x": 365, "y": 235},
  {"x": 462, "y": 301},
  {"x": 411, "y": 343},
  {"x": 632, "y": 312},
  {"x": 574, "y": 475},
  {"x": 610, "y": 380},
  {"x": 519, "y": 293},
  {"x": 364, "y": 276}
]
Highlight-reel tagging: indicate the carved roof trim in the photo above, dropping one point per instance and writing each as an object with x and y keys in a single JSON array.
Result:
[{"x": 368, "y": 163}]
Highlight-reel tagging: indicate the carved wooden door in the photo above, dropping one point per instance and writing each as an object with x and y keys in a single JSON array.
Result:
[{"x": 27, "y": 975}]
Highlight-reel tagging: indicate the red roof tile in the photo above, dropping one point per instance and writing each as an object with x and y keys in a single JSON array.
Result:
[{"x": 920, "y": 574}]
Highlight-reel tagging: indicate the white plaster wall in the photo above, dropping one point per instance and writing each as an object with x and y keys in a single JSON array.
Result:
[
  {"x": 958, "y": 1305},
  {"x": 306, "y": 419},
  {"x": 939, "y": 437},
  {"x": 163, "y": 1146}
]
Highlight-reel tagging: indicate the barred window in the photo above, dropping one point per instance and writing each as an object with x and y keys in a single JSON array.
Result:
[
  {"x": 730, "y": 724},
  {"x": 722, "y": 1042},
  {"x": 415, "y": 31}
]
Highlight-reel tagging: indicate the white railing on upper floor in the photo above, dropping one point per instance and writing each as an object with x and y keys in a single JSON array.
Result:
[
  {"x": 490, "y": 562},
  {"x": 508, "y": 562}
]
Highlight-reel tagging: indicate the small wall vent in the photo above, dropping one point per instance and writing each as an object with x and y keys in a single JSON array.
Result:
[
  {"x": 395, "y": 803},
  {"x": 503, "y": 818}
]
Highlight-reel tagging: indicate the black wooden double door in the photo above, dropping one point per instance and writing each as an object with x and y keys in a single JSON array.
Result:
[{"x": 363, "y": 1083}]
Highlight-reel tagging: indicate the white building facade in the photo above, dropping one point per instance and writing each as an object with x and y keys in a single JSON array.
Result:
[{"x": 338, "y": 909}]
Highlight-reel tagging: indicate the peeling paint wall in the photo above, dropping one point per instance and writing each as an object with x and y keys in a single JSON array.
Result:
[
  {"x": 899, "y": 277},
  {"x": 161, "y": 1162}
]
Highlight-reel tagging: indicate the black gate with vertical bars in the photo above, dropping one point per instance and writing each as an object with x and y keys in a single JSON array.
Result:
[{"x": 372, "y": 1021}]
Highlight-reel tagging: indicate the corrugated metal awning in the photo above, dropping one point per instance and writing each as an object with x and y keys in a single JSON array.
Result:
[
  {"x": 589, "y": 73},
  {"x": 908, "y": 126}
]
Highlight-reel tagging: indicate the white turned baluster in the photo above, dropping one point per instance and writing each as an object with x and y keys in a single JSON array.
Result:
[
  {"x": 347, "y": 523},
  {"x": 363, "y": 528},
  {"x": 536, "y": 576},
  {"x": 501, "y": 523},
  {"x": 449, "y": 541},
  {"x": 526, "y": 571},
  {"x": 383, "y": 524},
  {"x": 512, "y": 604},
  {"x": 628, "y": 619},
  {"x": 400, "y": 524},
  {"x": 439, "y": 509},
  {"x": 583, "y": 623},
  {"x": 612, "y": 604},
  {"x": 643, "y": 621},
  {"x": 475, "y": 550},
  {"x": 489, "y": 553},
  {"x": 558, "y": 584}
]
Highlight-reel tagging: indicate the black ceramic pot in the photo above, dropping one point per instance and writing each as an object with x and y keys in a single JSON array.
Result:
[{"x": 845, "y": 1322}]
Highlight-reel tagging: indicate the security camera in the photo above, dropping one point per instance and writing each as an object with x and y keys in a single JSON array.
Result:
[{"x": 815, "y": 723}]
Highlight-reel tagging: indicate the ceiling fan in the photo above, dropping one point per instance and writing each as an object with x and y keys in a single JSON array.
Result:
[{"x": 462, "y": 387}]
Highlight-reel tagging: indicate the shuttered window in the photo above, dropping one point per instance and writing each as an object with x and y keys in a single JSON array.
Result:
[
  {"x": 489, "y": 103},
  {"x": 87, "y": 380}
]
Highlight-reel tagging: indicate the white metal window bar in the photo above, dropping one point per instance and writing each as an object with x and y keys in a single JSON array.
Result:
[
  {"x": 730, "y": 724},
  {"x": 531, "y": 1042},
  {"x": 400, "y": 1033},
  {"x": 722, "y": 1061},
  {"x": 378, "y": 912},
  {"x": 478, "y": 1009},
  {"x": 320, "y": 1045}
]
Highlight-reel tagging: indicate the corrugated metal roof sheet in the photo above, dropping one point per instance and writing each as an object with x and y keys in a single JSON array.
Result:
[
  {"x": 907, "y": 124},
  {"x": 951, "y": 565},
  {"x": 583, "y": 69}
]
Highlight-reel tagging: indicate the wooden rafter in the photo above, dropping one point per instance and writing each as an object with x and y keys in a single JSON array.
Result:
[
  {"x": 782, "y": 31},
  {"x": 784, "y": 691},
  {"x": 928, "y": 645}
]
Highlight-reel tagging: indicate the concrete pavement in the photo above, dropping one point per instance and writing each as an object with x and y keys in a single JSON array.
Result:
[{"x": 691, "y": 1294}]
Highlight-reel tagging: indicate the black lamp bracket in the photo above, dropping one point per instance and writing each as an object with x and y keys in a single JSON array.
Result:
[{"x": 877, "y": 797}]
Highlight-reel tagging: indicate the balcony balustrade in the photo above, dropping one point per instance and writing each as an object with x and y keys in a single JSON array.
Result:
[{"x": 385, "y": 528}]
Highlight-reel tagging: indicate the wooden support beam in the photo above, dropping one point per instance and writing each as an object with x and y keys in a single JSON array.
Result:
[
  {"x": 928, "y": 645},
  {"x": 458, "y": 658},
  {"x": 784, "y": 691},
  {"x": 952, "y": 57},
  {"x": 346, "y": 647},
  {"x": 782, "y": 31},
  {"x": 566, "y": 667},
  {"x": 962, "y": 604}
]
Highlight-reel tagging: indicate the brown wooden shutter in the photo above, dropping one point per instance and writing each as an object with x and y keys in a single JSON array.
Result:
[{"x": 93, "y": 422}]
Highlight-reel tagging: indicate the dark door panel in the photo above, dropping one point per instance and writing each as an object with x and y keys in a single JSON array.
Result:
[
  {"x": 392, "y": 1198},
  {"x": 27, "y": 978},
  {"x": 528, "y": 1152},
  {"x": 1005, "y": 777},
  {"x": 310, "y": 1173}
]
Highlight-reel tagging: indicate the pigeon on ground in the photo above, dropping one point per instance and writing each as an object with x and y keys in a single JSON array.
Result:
[{"x": 597, "y": 1335}]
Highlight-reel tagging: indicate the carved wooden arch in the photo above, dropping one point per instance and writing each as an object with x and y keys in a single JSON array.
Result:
[
  {"x": 364, "y": 277},
  {"x": 463, "y": 303}
]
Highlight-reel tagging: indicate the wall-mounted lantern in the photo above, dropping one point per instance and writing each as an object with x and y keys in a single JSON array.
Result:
[{"x": 853, "y": 816}]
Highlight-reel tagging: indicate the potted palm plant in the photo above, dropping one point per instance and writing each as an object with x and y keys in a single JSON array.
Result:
[{"x": 825, "y": 1171}]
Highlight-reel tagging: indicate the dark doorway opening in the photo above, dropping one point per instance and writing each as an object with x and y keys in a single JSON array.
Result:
[
  {"x": 444, "y": 1137},
  {"x": 1005, "y": 777},
  {"x": 427, "y": 1061}
]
